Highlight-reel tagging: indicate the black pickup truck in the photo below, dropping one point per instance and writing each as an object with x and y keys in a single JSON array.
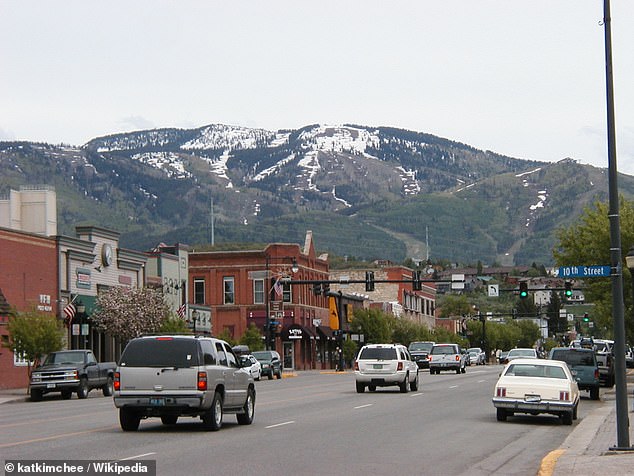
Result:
[{"x": 69, "y": 371}]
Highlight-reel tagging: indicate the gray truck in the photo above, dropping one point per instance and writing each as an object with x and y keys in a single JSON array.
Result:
[{"x": 69, "y": 371}]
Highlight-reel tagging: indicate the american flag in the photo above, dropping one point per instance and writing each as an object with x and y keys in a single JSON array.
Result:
[
  {"x": 181, "y": 311},
  {"x": 69, "y": 312},
  {"x": 278, "y": 288}
]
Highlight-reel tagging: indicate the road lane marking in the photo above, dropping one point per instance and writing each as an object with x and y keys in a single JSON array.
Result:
[
  {"x": 415, "y": 394},
  {"x": 454, "y": 386},
  {"x": 363, "y": 406},
  {"x": 480, "y": 381},
  {"x": 280, "y": 424},
  {"x": 137, "y": 456},
  {"x": 55, "y": 437}
]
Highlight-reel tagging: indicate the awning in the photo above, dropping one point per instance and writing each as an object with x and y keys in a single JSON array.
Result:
[
  {"x": 326, "y": 332},
  {"x": 296, "y": 332}
]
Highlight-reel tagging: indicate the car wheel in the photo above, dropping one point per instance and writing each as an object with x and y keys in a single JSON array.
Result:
[
  {"x": 212, "y": 419},
  {"x": 259, "y": 376},
  {"x": 458, "y": 370},
  {"x": 279, "y": 374},
  {"x": 271, "y": 375},
  {"x": 372, "y": 388},
  {"x": 36, "y": 395},
  {"x": 414, "y": 385},
  {"x": 574, "y": 412},
  {"x": 360, "y": 387},
  {"x": 129, "y": 419},
  {"x": 464, "y": 370},
  {"x": 566, "y": 418},
  {"x": 404, "y": 385},
  {"x": 169, "y": 419},
  {"x": 594, "y": 393},
  {"x": 501, "y": 414},
  {"x": 82, "y": 390},
  {"x": 66, "y": 394},
  {"x": 108, "y": 388},
  {"x": 246, "y": 418}
]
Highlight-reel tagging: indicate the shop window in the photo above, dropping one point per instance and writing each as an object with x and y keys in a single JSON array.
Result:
[
  {"x": 199, "y": 291},
  {"x": 258, "y": 291},
  {"x": 228, "y": 285}
]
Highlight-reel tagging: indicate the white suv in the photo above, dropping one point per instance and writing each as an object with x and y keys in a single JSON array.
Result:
[
  {"x": 382, "y": 365},
  {"x": 169, "y": 376}
]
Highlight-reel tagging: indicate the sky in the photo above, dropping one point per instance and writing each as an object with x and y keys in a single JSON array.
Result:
[{"x": 524, "y": 78}]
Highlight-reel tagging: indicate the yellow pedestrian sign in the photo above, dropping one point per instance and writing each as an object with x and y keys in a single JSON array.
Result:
[{"x": 334, "y": 313}]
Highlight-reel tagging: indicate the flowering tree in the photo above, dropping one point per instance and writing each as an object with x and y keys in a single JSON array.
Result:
[{"x": 129, "y": 312}]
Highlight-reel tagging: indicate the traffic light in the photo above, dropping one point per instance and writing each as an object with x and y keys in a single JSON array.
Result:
[
  {"x": 523, "y": 290},
  {"x": 416, "y": 284},
  {"x": 369, "y": 280},
  {"x": 586, "y": 318},
  {"x": 326, "y": 288},
  {"x": 317, "y": 289},
  {"x": 568, "y": 289}
]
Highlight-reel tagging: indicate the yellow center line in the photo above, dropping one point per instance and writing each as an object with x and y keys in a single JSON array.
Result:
[{"x": 56, "y": 437}]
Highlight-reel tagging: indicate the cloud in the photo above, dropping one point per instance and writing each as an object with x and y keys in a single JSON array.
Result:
[{"x": 136, "y": 123}]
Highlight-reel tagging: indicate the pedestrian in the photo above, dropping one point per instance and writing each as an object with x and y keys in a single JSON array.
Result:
[{"x": 337, "y": 358}]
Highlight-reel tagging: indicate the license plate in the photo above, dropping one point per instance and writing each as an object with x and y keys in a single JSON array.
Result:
[
  {"x": 50, "y": 385},
  {"x": 532, "y": 398},
  {"x": 157, "y": 402},
  {"x": 377, "y": 366}
]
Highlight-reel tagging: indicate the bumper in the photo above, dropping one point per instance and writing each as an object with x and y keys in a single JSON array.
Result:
[
  {"x": 379, "y": 379},
  {"x": 162, "y": 404},
  {"x": 46, "y": 387},
  {"x": 523, "y": 406},
  {"x": 445, "y": 366}
]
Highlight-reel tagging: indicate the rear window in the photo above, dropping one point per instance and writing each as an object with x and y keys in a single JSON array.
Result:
[
  {"x": 420, "y": 346},
  {"x": 526, "y": 370},
  {"x": 378, "y": 353},
  {"x": 160, "y": 352},
  {"x": 444, "y": 349},
  {"x": 574, "y": 357}
]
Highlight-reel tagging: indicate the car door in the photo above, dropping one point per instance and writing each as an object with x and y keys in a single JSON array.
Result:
[
  {"x": 227, "y": 373},
  {"x": 239, "y": 378}
]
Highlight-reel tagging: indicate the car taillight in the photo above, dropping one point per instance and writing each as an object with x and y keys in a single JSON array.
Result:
[
  {"x": 399, "y": 366},
  {"x": 500, "y": 392},
  {"x": 202, "y": 380},
  {"x": 596, "y": 373},
  {"x": 356, "y": 365},
  {"x": 429, "y": 358},
  {"x": 117, "y": 381},
  {"x": 457, "y": 358},
  {"x": 565, "y": 396}
]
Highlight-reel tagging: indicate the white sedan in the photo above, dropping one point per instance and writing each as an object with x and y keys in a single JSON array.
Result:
[
  {"x": 251, "y": 365},
  {"x": 536, "y": 386}
]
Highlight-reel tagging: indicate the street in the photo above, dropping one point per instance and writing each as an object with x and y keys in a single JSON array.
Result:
[{"x": 314, "y": 423}]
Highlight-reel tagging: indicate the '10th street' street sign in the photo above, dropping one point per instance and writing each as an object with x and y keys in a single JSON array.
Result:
[{"x": 584, "y": 271}]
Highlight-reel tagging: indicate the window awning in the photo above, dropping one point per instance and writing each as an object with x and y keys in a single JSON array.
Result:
[
  {"x": 296, "y": 332},
  {"x": 326, "y": 332}
]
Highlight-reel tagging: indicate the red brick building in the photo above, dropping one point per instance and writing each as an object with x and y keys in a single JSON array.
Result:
[
  {"x": 28, "y": 282},
  {"x": 239, "y": 289}
]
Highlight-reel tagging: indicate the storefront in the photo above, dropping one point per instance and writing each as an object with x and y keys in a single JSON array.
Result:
[{"x": 299, "y": 347}]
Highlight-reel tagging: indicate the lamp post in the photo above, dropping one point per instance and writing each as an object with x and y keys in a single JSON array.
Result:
[
  {"x": 267, "y": 295},
  {"x": 629, "y": 262},
  {"x": 195, "y": 315}
]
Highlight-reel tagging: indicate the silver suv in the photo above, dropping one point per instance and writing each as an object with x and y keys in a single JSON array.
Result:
[
  {"x": 381, "y": 365},
  {"x": 169, "y": 376},
  {"x": 446, "y": 357}
]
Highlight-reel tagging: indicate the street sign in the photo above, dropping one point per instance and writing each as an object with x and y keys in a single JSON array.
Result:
[
  {"x": 584, "y": 271},
  {"x": 494, "y": 290}
]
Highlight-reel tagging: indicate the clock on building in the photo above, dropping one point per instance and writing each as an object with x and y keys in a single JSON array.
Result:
[{"x": 106, "y": 254}]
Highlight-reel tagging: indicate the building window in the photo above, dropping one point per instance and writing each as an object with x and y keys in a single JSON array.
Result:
[
  {"x": 258, "y": 291},
  {"x": 199, "y": 291},
  {"x": 229, "y": 290}
]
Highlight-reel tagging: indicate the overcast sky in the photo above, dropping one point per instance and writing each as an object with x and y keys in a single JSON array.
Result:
[{"x": 524, "y": 78}]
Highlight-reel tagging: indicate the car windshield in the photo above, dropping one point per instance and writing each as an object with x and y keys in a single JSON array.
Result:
[
  {"x": 526, "y": 370},
  {"x": 443, "y": 349},
  {"x": 160, "y": 352},
  {"x": 263, "y": 355},
  {"x": 522, "y": 353},
  {"x": 474, "y": 350},
  {"x": 416, "y": 346},
  {"x": 65, "y": 358},
  {"x": 378, "y": 353},
  {"x": 574, "y": 357}
]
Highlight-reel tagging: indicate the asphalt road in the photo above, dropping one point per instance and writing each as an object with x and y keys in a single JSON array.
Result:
[{"x": 310, "y": 424}]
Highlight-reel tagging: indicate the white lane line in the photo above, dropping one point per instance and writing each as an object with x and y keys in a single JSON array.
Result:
[
  {"x": 480, "y": 381},
  {"x": 415, "y": 394},
  {"x": 137, "y": 456},
  {"x": 280, "y": 424},
  {"x": 363, "y": 406},
  {"x": 454, "y": 386}
]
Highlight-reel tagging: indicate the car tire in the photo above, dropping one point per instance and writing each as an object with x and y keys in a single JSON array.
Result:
[
  {"x": 67, "y": 394},
  {"x": 246, "y": 418},
  {"x": 360, "y": 387},
  {"x": 594, "y": 393},
  {"x": 36, "y": 395},
  {"x": 82, "y": 390},
  {"x": 458, "y": 370},
  {"x": 464, "y": 370},
  {"x": 259, "y": 376},
  {"x": 501, "y": 414},
  {"x": 279, "y": 374},
  {"x": 270, "y": 375},
  {"x": 212, "y": 419},
  {"x": 169, "y": 419},
  {"x": 372, "y": 388},
  {"x": 129, "y": 419},
  {"x": 574, "y": 412},
  {"x": 108, "y": 388},
  {"x": 566, "y": 418},
  {"x": 404, "y": 385},
  {"x": 414, "y": 385}
]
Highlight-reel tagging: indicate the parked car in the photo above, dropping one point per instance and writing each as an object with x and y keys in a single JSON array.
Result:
[
  {"x": 382, "y": 365},
  {"x": 521, "y": 353},
  {"x": 420, "y": 353},
  {"x": 629, "y": 356},
  {"x": 171, "y": 376},
  {"x": 69, "y": 371},
  {"x": 271, "y": 363},
  {"x": 583, "y": 364},
  {"x": 446, "y": 357},
  {"x": 536, "y": 386},
  {"x": 502, "y": 359},
  {"x": 251, "y": 365},
  {"x": 477, "y": 356}
]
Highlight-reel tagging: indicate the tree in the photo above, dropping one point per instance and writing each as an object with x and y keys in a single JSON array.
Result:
[
  {"x": 253, "y": 338},
  {"x": 453, "y": 305},
  {"x": 375, "y": 325},
  {"x": 174, "y": 325},
  {"x": 33, "y": 335},
  {"x": 129, "y": 312},
  {"x": 587, "y": 242},
  {"x": 557, "y": 324}
]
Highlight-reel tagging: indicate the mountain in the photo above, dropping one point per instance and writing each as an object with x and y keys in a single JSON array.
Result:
[{"x": 367, "y": 192}]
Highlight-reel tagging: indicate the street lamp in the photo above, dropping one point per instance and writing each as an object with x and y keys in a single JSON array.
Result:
[
  {"x": 195, "y": 315},
  {"x": 629, "y": 262},
  {"x": 294, "y": 269}
]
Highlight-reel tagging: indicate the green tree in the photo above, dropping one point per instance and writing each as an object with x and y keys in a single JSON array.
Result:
[
  {"x": 557, "y": 324},
  {"x": 587, "y": 242},
  {"x": 129, "y": 312},
  {"x": 226, "y": 336},
  {"x": 33, "y": 335},
  {"x": 374, "y": 324},
  {"x": 174, "y": 325},
  {"x": 350, "y": 349},
  {"x": 455, "y": 305},
  {"x": 253, "y": 338}
]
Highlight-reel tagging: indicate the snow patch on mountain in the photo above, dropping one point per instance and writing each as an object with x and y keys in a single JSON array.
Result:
[
  {"x": 220, "y": 136},
  {"x": 343, "y": 139},
  {"x": 168, "y": 162}
]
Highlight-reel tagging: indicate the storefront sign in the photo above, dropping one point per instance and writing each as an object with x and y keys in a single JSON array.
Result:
[{"x": 83, "y": 278}]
